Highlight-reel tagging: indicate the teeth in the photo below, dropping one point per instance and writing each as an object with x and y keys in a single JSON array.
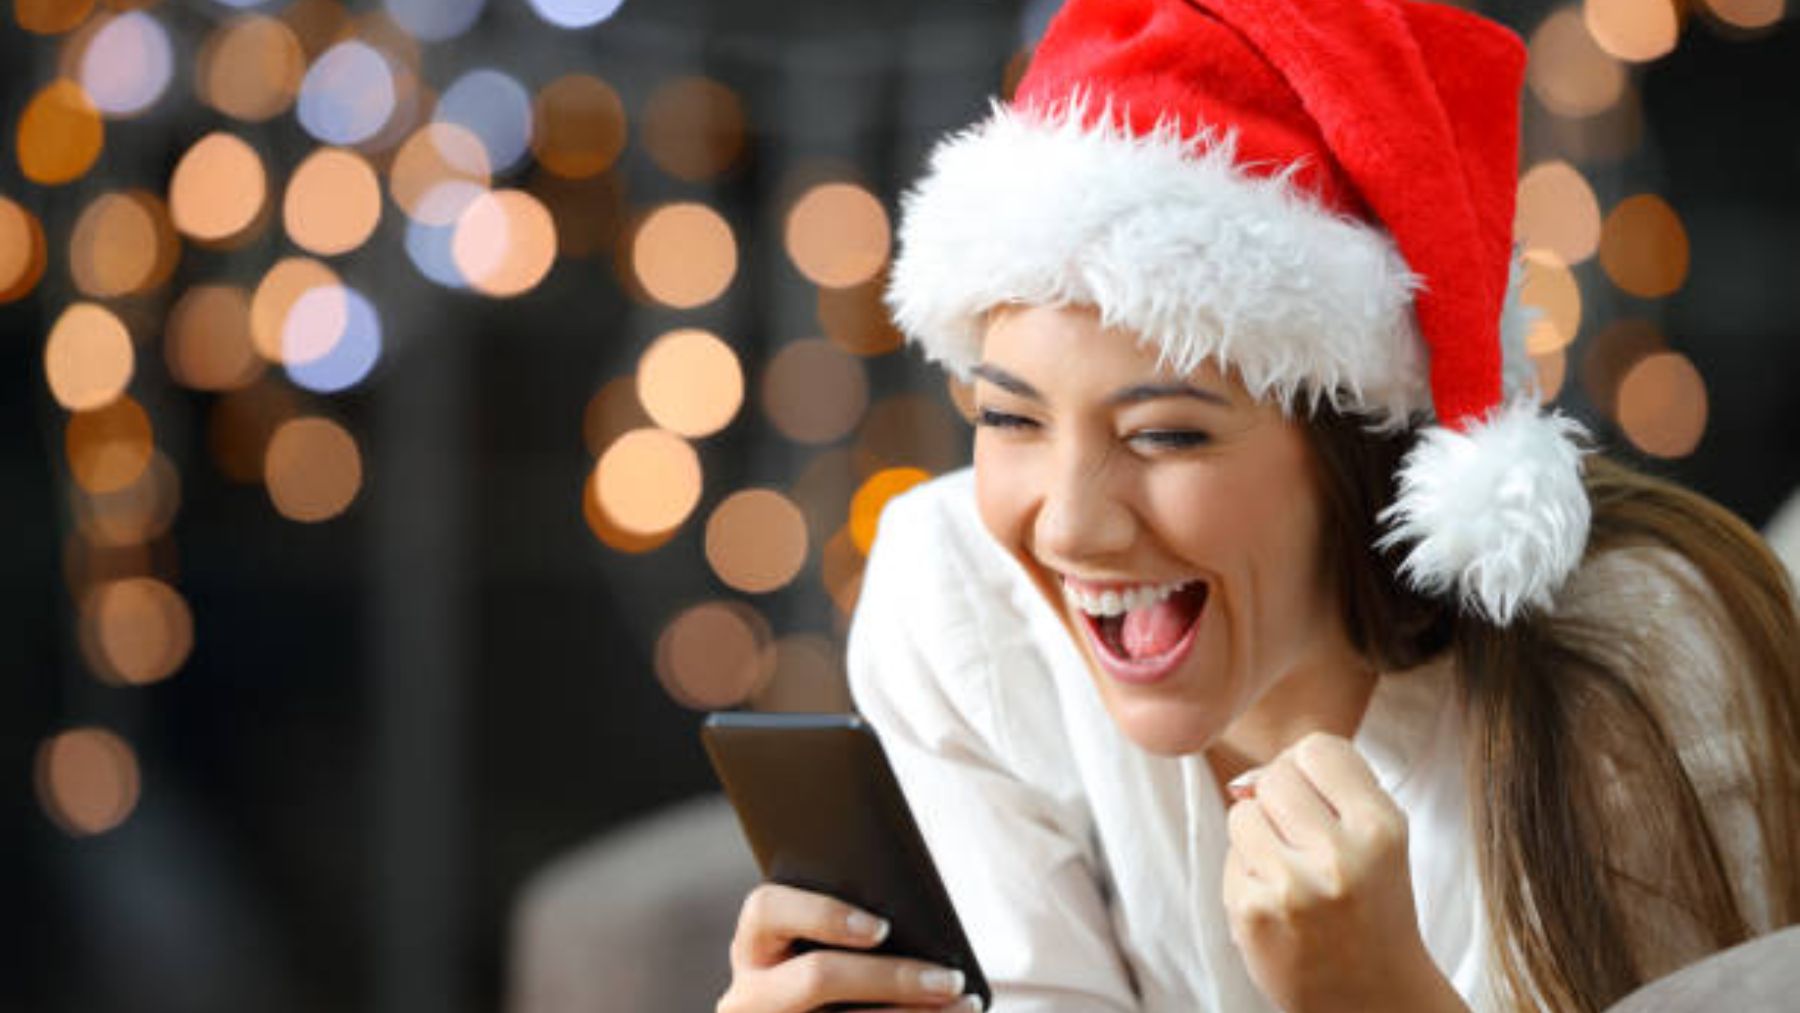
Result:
[{"x": 1117, "y": 602}]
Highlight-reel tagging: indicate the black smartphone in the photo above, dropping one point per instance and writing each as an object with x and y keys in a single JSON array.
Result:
[{"x": 822, "y": 812}]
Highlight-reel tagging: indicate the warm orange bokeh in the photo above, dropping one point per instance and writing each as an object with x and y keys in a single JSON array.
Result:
[
  {"x": 1569, "y": 72},
  {"x": 756, "y": 541},
  {"x": 838, "y": 234},
  {"x": 1644, "y": 247},
  {"x": 872, "y": 498},
  {"x": 690, "y": 382},
  {"x": 714, "y": 655},
  {"x": 88, "y": 358},
  {"x": 648, "y": 482},
  {"x": 250, "y": 68},
  {"x": 1634, "y": 30},
  {"x": 333, "y": 202},
  {"x": 694, "y": 128},
  {"x": 87, "y": 780},
  {"x": 505, "y": 243},
  {"x": 272, "y": 308},
  {"x": 207, "y": 344},
  {"x": 136, "y": 631},
  {"x": 23, "y": 253},
  {"x": 60, "y": 134},
  {"x": 578, "y": 126},
  {"x": 219, "y": 189},
  {"x": 1550, "y": 288},
  {"x": 313, "y": 469},
  {"x": 1662, "y": 405},
  {"x": 1557, "y": 211},
  {"x": 51, "y": 17},
  {"x": 684, "y": 255},
  {"x": 109, "y": 448},
  {"x": 437, "y": 172}
]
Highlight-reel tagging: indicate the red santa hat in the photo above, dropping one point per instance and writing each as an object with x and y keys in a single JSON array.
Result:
[{"x": 1317, "y": 194}]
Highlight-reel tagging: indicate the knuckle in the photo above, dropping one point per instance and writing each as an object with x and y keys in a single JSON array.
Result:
[{"x": 813, "y": 973}]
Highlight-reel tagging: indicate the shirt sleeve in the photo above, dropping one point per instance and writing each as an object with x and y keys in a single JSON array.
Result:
[{"x": 1010, "y": 837}]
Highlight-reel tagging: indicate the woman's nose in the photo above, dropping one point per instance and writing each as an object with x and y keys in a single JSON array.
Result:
[{"x": 1081, "y": 516}]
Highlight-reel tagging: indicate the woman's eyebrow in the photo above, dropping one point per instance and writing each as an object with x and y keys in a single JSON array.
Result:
[
  {"x": 1141, "y": 392},
  {"x": 1006, "y": 381}
]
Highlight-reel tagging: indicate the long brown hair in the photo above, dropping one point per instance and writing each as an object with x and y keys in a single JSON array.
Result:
[{"x": 1598, "y": 861}]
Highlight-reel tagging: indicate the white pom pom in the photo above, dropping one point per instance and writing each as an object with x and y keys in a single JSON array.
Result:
[{"x": 1498, "y": 515}]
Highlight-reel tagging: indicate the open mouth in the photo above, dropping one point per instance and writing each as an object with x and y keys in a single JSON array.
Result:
[{"x": 1142, "y": 631}]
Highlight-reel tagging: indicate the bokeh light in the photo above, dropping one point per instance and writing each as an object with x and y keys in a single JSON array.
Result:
[
  {"x": 87, "y": 780},
  {"x": 1550, "y": 287},
  {"x": 694, "y": 128},
  {"x": 1644, "y": 247},
  {"x": 59, "y": 135},
  {"x": 648, "y": 482},
  {"x": 250, "y": 68},
  {"x": 348, "y": 95},
  {"x": 1568, "y": 71},
  {"x": 113, "y": 247},
  {"x": 88, "y": 358},
  {"x": 578, "y": 126},
  {"x": 576, "y": 13},
  {"x": 430, "y": 248},
  {"x": 126, "y": 64},
  {"x": 838, "y": 235},
  {"x": 138, "y": 513},
  {"x": 684, "y": 255},
  {"x": 1634, "y": 30},
  {"x": 1611, "y": 354},
  {"x": 318, "y": 24},
  {"x": 437, "y": 172},
  {"x": 109, "y": 447},
  {"x": 435, "y": 20},
  {"x": 333, "y": 202},
  {"x": 331, "y": 340},
  {"x": 23, "y": 252},
  {"x": 504, "y": 244},
  {"x": 136, "y": 631},
  {"x": 814, "y": 392},
  {"x": 51, "y": 17},
  {"x": 1748, "y": 14},
  {"x": 808, "y": 677},
  {"x": 913, "y": 430},
  {"x": 207, "y": 344},
  {"x": 1662, "y": 405},
  {"x": 493, "y": 107},
  {"x": 856, "y": 319},
  {"x": 613, "y": 411},
  {"x": 714, "y": 655},
  {"x": 240, "y": 424},
  {"x": 690, "y": 382},
  {"x": 272, "y": 306},
  {"x": 313, "y": 469},
  {"x": 756, "y": 541},
  {"x": 218, "y": 189},
  {"x": 1557, "y": 211},
  {"x": 872, "y": 498}
]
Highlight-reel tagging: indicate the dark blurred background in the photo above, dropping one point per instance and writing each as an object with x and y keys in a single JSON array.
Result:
[{"x": 413, "y": 414}]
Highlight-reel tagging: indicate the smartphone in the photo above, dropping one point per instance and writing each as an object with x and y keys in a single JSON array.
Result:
[{"x": 822, "y": 812}]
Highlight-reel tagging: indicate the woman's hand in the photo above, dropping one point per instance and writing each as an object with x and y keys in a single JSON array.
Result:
[
  {"x": 768, "y": 977},
  {"x": 1318, "y": 888}
]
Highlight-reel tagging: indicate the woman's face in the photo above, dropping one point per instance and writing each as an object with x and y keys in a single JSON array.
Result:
[{"x": 1173, "y": 521}]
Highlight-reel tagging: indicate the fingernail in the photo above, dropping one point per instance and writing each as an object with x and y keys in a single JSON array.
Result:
[
  {"x": 971, "y": 1003},
  {"x": 941, "y": 981},
  {"x": 868, "y": 926},
  {"x": 1243, "y": 786}
]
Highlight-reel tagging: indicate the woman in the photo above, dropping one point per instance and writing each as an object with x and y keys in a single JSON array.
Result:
[{"x": 1280, "y": 652}]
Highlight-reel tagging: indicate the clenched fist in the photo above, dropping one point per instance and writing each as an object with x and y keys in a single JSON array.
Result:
[{"x": 1318, "y": 888}]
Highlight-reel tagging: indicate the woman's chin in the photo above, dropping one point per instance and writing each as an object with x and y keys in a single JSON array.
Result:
[{"x": 1164, "y": 726}]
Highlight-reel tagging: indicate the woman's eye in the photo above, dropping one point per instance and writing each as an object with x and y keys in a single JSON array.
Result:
[
  {"x": 1170, "y": 439},
  {"x": 1002, "y": 420}
]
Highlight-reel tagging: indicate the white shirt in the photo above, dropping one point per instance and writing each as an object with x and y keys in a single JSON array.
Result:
[{"x": 1087, "y": 871}]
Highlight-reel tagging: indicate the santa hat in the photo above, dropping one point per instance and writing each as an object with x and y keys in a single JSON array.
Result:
[{"x": 1318, "y": 195}]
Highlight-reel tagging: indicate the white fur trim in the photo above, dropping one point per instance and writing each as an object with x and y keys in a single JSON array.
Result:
[
  {"x": 1167, "y": 237},
  {"x": 1498, "y": 514}
]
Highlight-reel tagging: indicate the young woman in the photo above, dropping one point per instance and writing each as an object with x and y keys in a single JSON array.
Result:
[{"x": 1279, "y": 652}]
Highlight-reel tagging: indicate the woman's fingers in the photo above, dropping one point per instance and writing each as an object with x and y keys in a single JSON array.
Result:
[
  {"x": 774, "y": 916},
  {"x": 826, "y": 976},
  {"x": 1345, "y": 781},
  {"x": 1296, "y": 810}
]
